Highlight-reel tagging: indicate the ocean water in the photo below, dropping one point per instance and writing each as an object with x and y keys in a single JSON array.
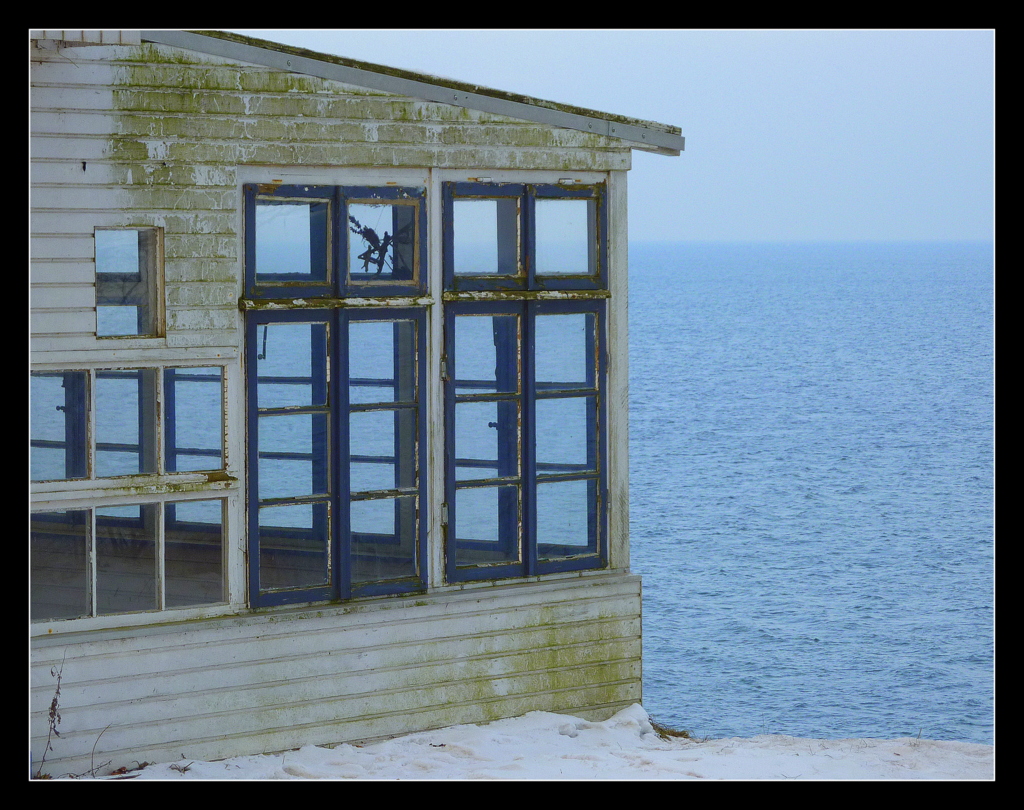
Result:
[{"x": 811, "y": 487}]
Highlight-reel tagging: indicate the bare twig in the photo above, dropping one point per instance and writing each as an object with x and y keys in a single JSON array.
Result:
[{"x": 54, "y": 715}]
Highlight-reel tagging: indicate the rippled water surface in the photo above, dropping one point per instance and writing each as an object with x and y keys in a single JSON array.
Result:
[{"x": 811, "y": 481}]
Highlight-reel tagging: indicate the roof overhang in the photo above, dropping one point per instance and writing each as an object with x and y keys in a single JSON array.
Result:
[{"x": 646, "y": 135}]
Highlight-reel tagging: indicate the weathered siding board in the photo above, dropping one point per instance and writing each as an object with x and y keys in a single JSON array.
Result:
[
  {"x": 154, "y": 134},
  {"x": 259, "y": 683},
  {"x": 145, "y": 135}
]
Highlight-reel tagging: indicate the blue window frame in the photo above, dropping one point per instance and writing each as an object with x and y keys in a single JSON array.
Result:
[
  {"x": 525, "y": 424},
  {"x": 525, "y": 392},
  {"x": 336, "y": 461},
  {"x": 335, "y": 393},
  {"x": 309, "y": 241},
  {"x": 518, "y": 236}
]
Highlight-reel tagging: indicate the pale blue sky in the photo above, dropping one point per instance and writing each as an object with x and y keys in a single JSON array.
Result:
[{"x": 790, "y": 134}]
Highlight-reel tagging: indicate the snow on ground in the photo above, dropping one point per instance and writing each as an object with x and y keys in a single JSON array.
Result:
[{"x": 544, "y": 746}]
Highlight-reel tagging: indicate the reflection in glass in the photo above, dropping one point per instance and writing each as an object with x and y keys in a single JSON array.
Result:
[
  {"x": 486, "y": 236},
  {"x": 59, "y": 571},
  {"x": 566, "y": 435},
  {"x": 57, "y": 425},
  {"x": 125, "y": 422},
  {"x": 486, "y": 440},
  {"x": 126, "y": 264},
  {"x": 126, "y": 558},
  {"x": 382, "y": 241},
  {"x": 565, "y": 355},
  {"x": 486, "y": 354},
  {"x": 384, "y": 535},
  {"x": 292, "y": 455},
  {"x": 487, "y": 525},
  {"x": 565, "y": 511},
  {"x": 566, "y": 236},
  {"x": 382, "y": 446},
  {"x": 382, "y": 361},
  {"x": 291, "y": 364},
  {"x": 291, "y": 240},
  {"x": 294, "y": 547},
  {"x": 193, "y": 553},
  {"x": 193, "y": 421}
]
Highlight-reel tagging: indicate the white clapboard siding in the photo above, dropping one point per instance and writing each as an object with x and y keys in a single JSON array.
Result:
[
  {"x": 125, "y": 134},
  {"x": 247, "y": 685},
  {"x": 154, "y": 138}
]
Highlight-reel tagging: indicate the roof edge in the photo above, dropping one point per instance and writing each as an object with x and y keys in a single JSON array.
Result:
[{"x": 641, "y": 134}]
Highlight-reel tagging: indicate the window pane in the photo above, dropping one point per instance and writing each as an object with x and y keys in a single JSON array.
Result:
[
  {"x": 384, "y": 534},
  {"x": 291, "y": 365},
  {"x": 566, "y": 236},
  {"x": 487, "y": 521},
  {"x": 292, "y": 455},
  {"x": 382, "y": 361},
  {"x": 382, "y": 446},
  {"x": 193, "y": 419},
  {"x": 126, "y": 270},
  {"x": 126, "y": 558},
  {"x": 291, "y": 240},
  {"x": 486, "y": 440},
  {"x": 125, "y": 422},
  {"x": 565, "y": 355},
  {"x": 59, "y": 566},
  {"x": 57, "y": 419},
  {"x": 565, "y": 515},
  {"x": 382, "y": 241},
  {"x": 486, "y": 354},
  {"x": 486, "y": 237},
  {"x": 193, "y": 553},
  {"x": 566, "y": 435},
  {"x": 294, "y": 550}
]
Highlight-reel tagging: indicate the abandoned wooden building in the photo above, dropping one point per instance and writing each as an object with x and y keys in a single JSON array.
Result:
[{"x": 328, "y": 400}]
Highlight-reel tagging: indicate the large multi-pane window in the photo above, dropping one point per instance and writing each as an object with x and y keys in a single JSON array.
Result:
[
  {"x": 126, "y": 558},
  {"x": 336, "y": 428},
  {"x": 137, "y": 556},
  {"x": 102, "y": 423},
  {"x": 526, "y": 416}
]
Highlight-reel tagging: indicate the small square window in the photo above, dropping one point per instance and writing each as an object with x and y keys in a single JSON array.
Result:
[{"x": 127, "y": 264}]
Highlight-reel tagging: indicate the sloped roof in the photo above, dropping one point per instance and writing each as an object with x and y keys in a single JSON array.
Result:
[{"x": 647, "y": 135}]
